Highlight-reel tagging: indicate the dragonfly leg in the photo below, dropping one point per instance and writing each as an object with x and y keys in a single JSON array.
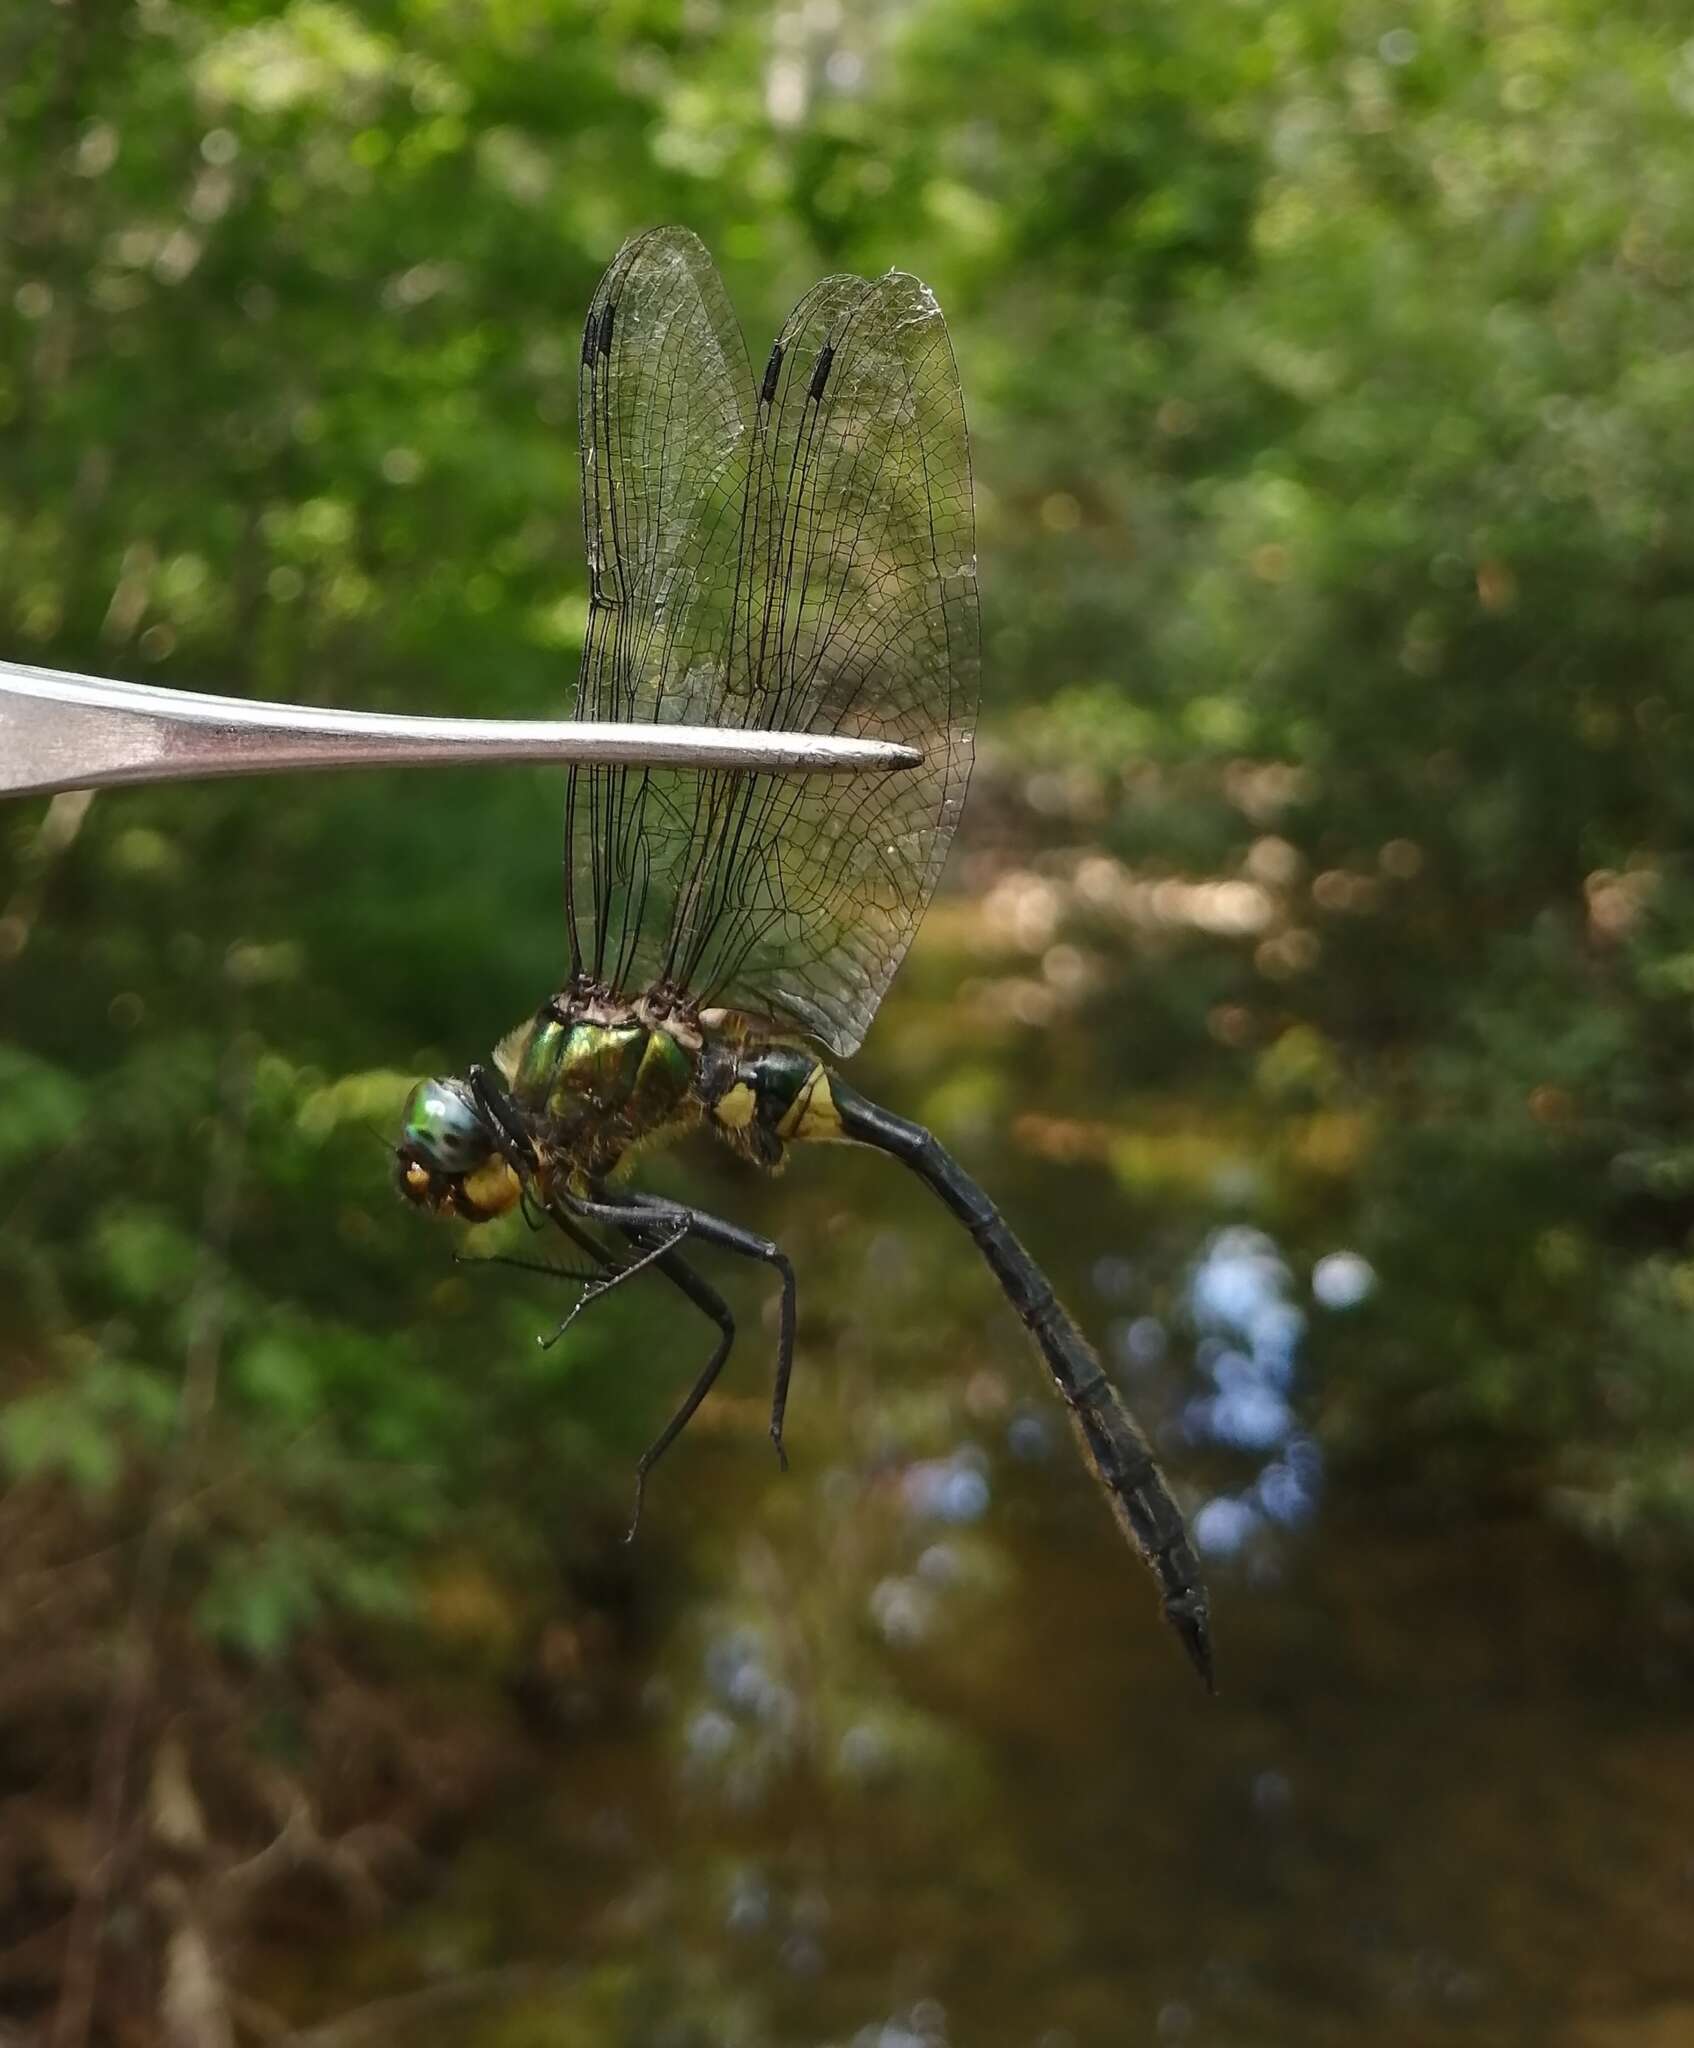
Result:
[
  {"x": 594, "y": 1282},
  {"x": 576, "y": 1276},
  {"x": 704, "y": 1296},
  {"x": 614, "y": 1274},
  {"x": 668, "y": 1261},
  {"x": 644, "y": 1212},
  {"x": 606, "y": 1273},
  {"x": 502, "y": 1116},
  {"x": 710, "y": 1302}
]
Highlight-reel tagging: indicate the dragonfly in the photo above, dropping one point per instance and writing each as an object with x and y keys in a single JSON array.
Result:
[{"x": 794, "y": 552}]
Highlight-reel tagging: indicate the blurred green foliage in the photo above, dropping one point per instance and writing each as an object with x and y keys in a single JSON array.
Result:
[{"x": 1332, "y": 377}]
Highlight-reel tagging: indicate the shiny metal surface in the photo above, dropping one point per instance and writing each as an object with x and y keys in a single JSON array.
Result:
[{"x": 62, "y": 731}]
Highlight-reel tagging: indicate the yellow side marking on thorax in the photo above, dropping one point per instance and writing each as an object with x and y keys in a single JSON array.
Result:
[
  {"x": 734, "y": 1108},
  {"x": 813, "y": 1114}
]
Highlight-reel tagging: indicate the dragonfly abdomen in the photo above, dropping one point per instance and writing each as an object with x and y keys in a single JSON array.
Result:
[
  {"x": 1122, "y": 1459},
  {"x": 764, "y": 1098}
]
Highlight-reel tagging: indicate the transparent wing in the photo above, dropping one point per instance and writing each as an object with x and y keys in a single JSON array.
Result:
[
  {"x": 840, "y": 597},
  {"x": 667, "y": 407}
]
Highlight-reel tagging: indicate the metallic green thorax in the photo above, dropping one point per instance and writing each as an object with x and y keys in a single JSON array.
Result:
[
  {"x": 594, "y": 1077},
  {"x": 598, "y": 1078}
]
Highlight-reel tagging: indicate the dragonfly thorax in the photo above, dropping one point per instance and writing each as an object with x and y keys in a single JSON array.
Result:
[
  {"x": 593, "y": 1075},
  {"x": 590, "y": 1077}
]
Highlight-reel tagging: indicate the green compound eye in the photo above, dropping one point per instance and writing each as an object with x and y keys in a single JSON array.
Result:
[{"x": 442, "y": 1126}]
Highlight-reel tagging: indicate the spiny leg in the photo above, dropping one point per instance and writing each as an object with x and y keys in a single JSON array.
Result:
[
  {"x": 504, "y": 1118},
  {"x": 644, "y": 1212},
  {"x": 577, "y": 1235},
  {"x": 746, "y": 1244},
  {"x": 604, "y": 1261},
  {"x": 606, "y": 1273},
  {"x": 615, "y": 1273},
  {"x": 498, "y": 1108},
  {"x": 682, "y": 1276},
  {"x": 577, "y": 1277},
  {"x": 705, "y": 1297},
  {"x": 638, "y": 1217}
]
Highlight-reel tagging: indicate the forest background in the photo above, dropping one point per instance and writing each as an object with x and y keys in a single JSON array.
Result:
[{"x": 1331, "y": 378}]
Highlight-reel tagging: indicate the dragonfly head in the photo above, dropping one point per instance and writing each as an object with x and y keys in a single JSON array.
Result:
[{"x": 448, "y": 1159}]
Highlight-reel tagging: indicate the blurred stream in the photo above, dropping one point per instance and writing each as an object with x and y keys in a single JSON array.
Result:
[{"x": 911, "y": 1762}]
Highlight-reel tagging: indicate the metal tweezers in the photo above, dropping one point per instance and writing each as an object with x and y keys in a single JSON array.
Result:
[{"x": 60, "y": 731}]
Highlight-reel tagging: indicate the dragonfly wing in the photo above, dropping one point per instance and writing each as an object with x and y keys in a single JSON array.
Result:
[
  {"x": 667, "y": 419},
  {"x": 797, "y": 556},
  {"x": 854, "y": 611}
]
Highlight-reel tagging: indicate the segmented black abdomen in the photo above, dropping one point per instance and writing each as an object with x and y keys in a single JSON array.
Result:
[{"x": 1121, "y": 1457}]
